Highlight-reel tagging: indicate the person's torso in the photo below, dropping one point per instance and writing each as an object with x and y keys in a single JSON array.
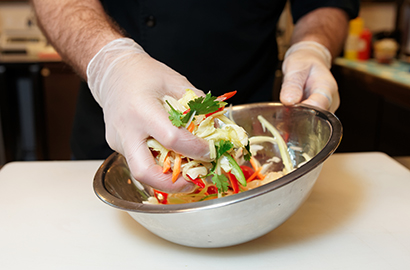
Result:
[{"x": 219, "y": 45}]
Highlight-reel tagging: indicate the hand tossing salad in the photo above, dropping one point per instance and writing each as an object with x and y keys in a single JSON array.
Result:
[{"x": 232, "y": 168}]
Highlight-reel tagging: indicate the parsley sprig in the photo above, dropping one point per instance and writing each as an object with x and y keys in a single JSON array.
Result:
[
  {"x": 175, "y": 116},
  {"x": 198, "y": 106},
  {"x": 222, "y": 147},
  {"x": 220, "y": 180},
  {"x": 204, "y": 105}
]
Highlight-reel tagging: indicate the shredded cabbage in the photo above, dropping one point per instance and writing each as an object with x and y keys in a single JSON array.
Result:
[{"x": 225, "y": 137}]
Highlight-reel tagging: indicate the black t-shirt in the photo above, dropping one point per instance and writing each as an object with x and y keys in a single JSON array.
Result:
[{"x": 219, "y": 45}]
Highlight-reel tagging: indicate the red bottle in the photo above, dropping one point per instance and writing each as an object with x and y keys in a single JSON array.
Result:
[{"x": 365, "y": 45}]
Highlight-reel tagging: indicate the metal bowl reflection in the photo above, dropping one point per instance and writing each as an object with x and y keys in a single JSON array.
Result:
[{"x": 241, "y": 217}]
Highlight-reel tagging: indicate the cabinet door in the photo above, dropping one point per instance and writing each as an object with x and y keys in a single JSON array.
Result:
[
  {"x": 60, "y": 89},
  {"x": 375, "y": 113}
]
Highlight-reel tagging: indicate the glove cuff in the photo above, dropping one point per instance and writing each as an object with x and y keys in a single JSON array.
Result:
[
  {"x": 314, "y": 46},
  {"x": 104, "y": 61}
]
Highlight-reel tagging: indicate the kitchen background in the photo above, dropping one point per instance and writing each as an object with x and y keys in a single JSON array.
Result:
[{"x": 38, "y": 91}]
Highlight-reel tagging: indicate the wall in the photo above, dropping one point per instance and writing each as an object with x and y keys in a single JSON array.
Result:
[
  {"x": 379, "y": 17},
  {"x": 15, "y": 15}
]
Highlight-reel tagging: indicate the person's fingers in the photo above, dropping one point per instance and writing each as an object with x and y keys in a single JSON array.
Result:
[
  {"x": 130, "y": 86},
  {"x": 323, "y": 99},
  {"x": 307, "y": 77},
  {"x": 318, "y": 99},
  {"x": 158, "y": 125},
  {"x": 312, "y": 85},
  {"x": 144, "y": 168},
  {"x": 293, "y": 86},
  {"x": 321, "y": 90},
  {"x": 179, "y": 140}
]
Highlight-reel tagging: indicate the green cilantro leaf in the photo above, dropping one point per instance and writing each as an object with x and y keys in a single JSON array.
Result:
[
  {"x": 186, "y": 117},
  {"x": 221, "y": 182},
  {"x": 247, "y": 154},
  {"x": 175, "y": 116},
  {"x": 204, "y": 105},
  {"x": 200, "y": 105},
  {"x": 222, "y": 147}
]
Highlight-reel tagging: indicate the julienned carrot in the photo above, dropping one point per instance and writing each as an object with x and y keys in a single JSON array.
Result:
[
  {"x": 260, "y": 175},
  {"x": 257, "y": 168},
  {"x": 254, "y": 163},
  {"x": 177, "y": 167},
  {"x": 256, "y": 173},
  {"x": 167, "y": 164},
  {"x": 191, "y": 127}
]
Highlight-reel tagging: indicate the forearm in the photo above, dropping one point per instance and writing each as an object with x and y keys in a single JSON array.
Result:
[
  {"x": 327, "y": 26},
  {"x": 77, "y": 29}
]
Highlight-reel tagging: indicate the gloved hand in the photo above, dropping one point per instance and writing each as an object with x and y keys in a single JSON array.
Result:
[
  {"x": 307, "y": 77},
  {"x": 129, "y": 85}
]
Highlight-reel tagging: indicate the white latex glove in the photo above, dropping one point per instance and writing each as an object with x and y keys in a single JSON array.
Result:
[
  {"x": 307, "y": 77},
  {"x": 129, "y": 85}
]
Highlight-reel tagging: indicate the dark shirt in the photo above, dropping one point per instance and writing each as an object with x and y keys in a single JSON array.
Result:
[{"x": 219, "y": 45}]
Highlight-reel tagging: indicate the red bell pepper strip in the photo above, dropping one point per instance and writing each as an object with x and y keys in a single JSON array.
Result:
[
  {"x": 198, "y": 181},
  {"x": 226, "y": 96},
  {"x": 162, "y": 197},
  {"x": 234, "y": 183},
  {"x": 209, "y": 114}
]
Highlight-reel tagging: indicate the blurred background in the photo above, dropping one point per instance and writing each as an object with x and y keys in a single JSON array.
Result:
[{"x": 38, "y": 91}]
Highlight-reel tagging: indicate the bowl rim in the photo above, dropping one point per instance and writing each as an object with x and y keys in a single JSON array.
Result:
[{"x": 331, "y": 145}]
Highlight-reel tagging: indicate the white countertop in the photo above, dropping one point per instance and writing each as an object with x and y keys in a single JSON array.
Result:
[{"x": 357, "y": 217}]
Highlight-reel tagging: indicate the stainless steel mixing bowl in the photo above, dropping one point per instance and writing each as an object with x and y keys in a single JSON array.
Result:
[{"x": 241, "y": 217}]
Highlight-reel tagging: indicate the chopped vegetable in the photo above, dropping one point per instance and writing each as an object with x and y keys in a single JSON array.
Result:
[
  {"x": 254, "y": 175},
  {"x": 247, "y": 171},
  {"x": 229, "y": 171},
  {"x": 209, "y": 114},
  {"x": 177, "y": 167},
  {"x": 162, "y": 197},
  {"x": 236, "y": 170},
  {"x": 175, "y": 116},
  {"x": 222, "y": 147},
  {"x": 234, "y": 183},
  {"x": 221, "y": 182},
  {"x": 200, "y": 105},
  {"x": 226, "y": 96},
  {"x": 167, "y": 165},
  {"x": 281, "y": 143},
  {"x": 191, "y": 127},
  {"x": 198, "y": 182},
  {"x": 255, "y": 163}
]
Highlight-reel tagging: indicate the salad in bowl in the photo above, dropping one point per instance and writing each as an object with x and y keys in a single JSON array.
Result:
[{"x": 234, "y": 166}]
